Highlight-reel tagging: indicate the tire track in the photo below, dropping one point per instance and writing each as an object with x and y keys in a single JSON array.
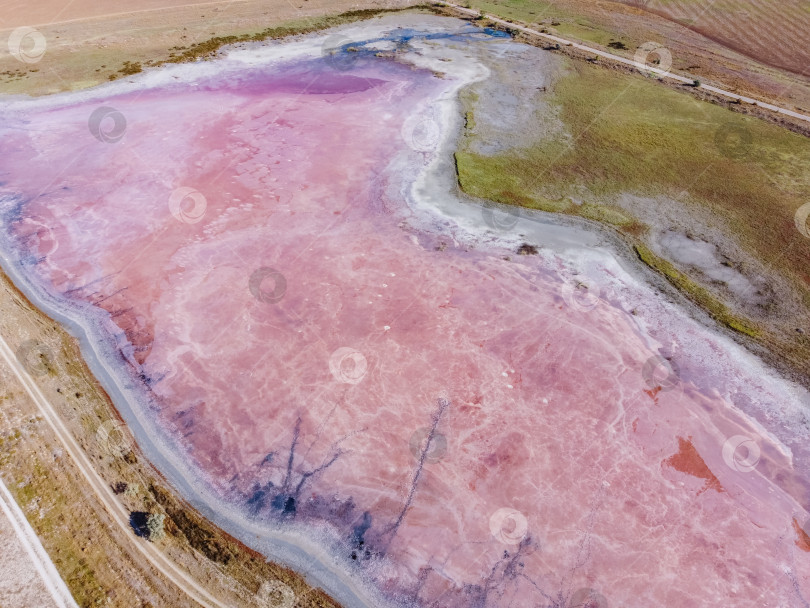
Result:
[{"x": 102, "y": 491}]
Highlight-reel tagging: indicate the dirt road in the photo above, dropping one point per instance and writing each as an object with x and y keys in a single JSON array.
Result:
[
  {"x": 102, "y": 491},
  {"x": 28, "y": 576},
  {"x": 641, "y": 66}
]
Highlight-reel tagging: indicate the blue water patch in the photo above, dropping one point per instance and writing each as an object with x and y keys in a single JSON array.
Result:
[
  {"x": 496, "y": 33},
  {"x": 343, "y": 55}
]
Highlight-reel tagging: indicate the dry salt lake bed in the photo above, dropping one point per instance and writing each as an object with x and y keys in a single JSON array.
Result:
[{"x": 350, "y": 367}]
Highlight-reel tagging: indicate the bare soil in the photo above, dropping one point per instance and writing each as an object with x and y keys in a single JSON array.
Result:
[
  {"x": 94, "y": 556},
  {"x": 95, "y": 49}
]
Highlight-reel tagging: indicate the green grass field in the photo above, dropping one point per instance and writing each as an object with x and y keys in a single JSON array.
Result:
[{"x": 633, "y": 135}]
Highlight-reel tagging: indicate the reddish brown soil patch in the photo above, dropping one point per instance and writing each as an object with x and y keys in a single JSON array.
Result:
[
  {"x": 688, "y": 460},
  {"x": 803, "y": 539},
  {"x": 653, "y": 393}
]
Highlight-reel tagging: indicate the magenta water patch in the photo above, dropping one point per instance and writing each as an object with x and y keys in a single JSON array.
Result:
[{"x": 476, "y": 430}]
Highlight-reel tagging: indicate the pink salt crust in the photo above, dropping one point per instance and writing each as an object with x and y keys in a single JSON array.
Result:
[{"x": 623, "y": 486}]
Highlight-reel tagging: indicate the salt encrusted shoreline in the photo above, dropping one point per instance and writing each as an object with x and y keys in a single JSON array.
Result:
[{"x": 435, "y": 212}]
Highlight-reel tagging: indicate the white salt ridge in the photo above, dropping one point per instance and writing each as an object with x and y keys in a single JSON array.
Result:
[
  {"x": 723, "y": 364},
  {"x": 431, "y": 194}
]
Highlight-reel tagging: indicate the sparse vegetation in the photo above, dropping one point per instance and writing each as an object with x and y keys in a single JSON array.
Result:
[
  {"x": 629, "y": 135},
  {"x": 195, "y": 531},
  {"x": 697, "y": 294},
  {"x": 208, "y": 48},
  {"x": 130, "y": 68},
  {"x": 88, "y": 549},
  {"x": 154, "y": 526},
  {"x": 592, "y": 23}
]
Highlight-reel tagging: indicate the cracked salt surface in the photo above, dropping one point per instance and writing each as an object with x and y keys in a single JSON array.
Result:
[{"x": 311, "y": 463}]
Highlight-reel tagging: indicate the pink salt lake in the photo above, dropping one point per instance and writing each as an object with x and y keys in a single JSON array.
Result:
[{"x": 248, "y": 237}]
